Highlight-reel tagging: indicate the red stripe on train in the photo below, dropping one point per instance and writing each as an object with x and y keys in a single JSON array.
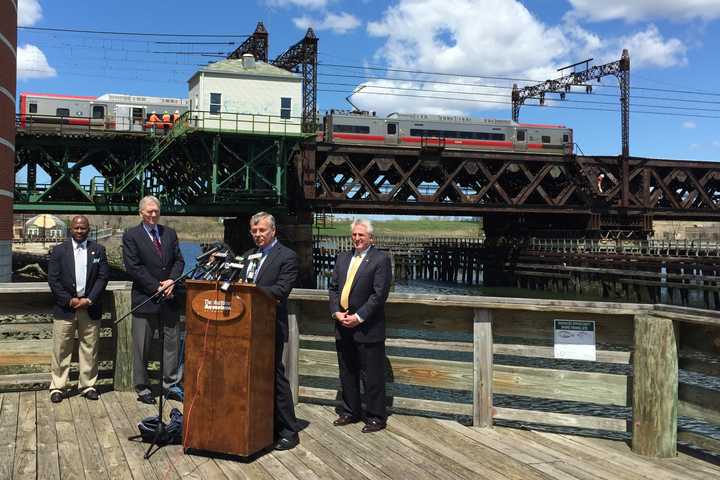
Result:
[
  {"x": 55, "y": 95},
  {"x": 78, "y": 121},
  {"x": 358, "y": 136},
  {"x": 449, "y": 141}
]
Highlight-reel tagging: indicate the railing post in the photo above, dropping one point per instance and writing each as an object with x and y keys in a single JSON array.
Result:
[
  {"x": 482, "y": 368},
  {"x": 655, "y": 387},
  {"x": 291, "y": 353},
  {"x": 123, "y": 341}
]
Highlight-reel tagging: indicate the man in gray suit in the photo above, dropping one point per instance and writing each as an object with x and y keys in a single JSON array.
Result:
[
  {"x": 358, "y": 290},
  {"x": 152, "y": 259}
]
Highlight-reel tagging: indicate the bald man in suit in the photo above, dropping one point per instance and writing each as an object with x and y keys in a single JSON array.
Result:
[{"x": 358, "y": 290}]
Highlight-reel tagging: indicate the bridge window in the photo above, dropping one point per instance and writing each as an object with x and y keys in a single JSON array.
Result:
[
  {"x": 546, "y": 139},
  {"x": 285, "y": 107},
  {"x": 351, "y": 128},
  {"x": 566, "y": 138},
  {"x": 33, "y": 108},
  {"x": 62, "y": 112},
  {"x": 215, "y": 103},
  {"x": 98, "y": 111}
]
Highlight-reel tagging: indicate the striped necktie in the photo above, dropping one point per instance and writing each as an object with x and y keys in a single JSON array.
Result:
[
  {"x": 352, "y": 270},
  {"x": 156, "y": 241}
]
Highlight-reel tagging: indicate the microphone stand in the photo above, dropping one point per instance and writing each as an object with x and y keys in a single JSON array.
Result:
[{"x": 161, "y": 327}]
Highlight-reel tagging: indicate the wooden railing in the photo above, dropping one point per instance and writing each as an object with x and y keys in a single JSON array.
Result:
[{"x": 484, "y": 358}]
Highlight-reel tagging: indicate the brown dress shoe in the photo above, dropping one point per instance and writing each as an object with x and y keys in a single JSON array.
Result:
[
  {"x": 343, "y": 420},
  {"x": 373, "y": 425},
  {"x": 91, "y": 394}
]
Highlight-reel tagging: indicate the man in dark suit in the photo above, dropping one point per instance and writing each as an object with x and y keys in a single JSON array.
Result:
[
  {"x": 274, "y": 269},
  {"x": 152, "y": 258},
  {"x": 358, "y": 290},
  {"x": 78, "y": 273}
]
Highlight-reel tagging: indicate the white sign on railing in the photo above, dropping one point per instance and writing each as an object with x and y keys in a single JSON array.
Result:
[{"x": 575, "y": 339}]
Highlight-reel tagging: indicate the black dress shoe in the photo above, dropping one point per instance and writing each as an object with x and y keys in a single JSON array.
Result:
[
  {"x": 343, "y": 420},
  {"x": 146, "y": 398},
  {"x": 373, "y": 425},
  {"x": 286, "y": 443},
  {"x": 91, "y": 394},
  {"x": 56, "y": 397}
]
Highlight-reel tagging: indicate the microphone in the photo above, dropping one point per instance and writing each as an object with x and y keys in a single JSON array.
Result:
[{"x": 217, "y": 246}]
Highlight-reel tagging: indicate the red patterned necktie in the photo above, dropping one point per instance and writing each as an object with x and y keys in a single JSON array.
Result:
[{"x": 156, "y": 241}]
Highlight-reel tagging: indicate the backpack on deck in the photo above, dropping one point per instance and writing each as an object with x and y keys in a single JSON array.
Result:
[{"x": 171, "y": 434}]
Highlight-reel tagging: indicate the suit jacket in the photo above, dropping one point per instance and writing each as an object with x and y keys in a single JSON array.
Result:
[
  {"x": 277, "y": 277},
  {"x": 61, "y": 277},
  {"x": 368, "y": 294},
  {"x": 147, "y": 269}
]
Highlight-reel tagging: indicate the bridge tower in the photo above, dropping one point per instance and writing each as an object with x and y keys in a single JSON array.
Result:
[{"x": 8, "y": 58}]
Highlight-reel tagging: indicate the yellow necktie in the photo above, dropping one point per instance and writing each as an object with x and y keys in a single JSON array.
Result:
[{"x": 352, "y": 269}]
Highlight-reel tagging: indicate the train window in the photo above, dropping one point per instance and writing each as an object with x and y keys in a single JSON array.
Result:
[
  {"x": 98, "y": 111},
  {"x": 33, "y": 108},
  {"x": 285, "y": 107},
  {"x": 521, "y": 135},
  {"x": 215, "y": 103},
  {"x": 392, "y": 128},
  {"x": 351, "y": 128},
  {"x": 566, "y": 138},
  {"x": 546, "y": 139},
  {"x": 62, "y": 112}
]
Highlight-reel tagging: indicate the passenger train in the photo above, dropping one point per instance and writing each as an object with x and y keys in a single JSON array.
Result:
[
  {"x": 107, "y": 112},
  {"x": 446, "y": 131},
  {"x": 455, "y": 132}
]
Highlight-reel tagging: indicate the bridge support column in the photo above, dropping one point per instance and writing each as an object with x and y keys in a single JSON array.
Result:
[{"x": 294, "y": 231}]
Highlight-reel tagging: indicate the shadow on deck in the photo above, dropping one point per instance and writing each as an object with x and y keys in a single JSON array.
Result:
[{"x": 85, "y": 439}]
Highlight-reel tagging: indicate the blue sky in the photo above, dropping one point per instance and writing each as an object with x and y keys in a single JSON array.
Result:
[{"x": 473, "y": 48}]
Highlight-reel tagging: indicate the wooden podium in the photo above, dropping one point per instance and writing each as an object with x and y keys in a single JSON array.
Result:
[{"x": 229, "y": 369}]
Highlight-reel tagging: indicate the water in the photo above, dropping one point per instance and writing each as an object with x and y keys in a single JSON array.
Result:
[{"x": 190, "y": 250}]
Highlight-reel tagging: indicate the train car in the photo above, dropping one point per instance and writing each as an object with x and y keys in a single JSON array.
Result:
[
  {"x": 107, "y": 112},
  {"x": 446, "y": 131}
]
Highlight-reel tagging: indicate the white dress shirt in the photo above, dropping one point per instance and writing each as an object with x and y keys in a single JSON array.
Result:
[{"x": 80, "y": 254}]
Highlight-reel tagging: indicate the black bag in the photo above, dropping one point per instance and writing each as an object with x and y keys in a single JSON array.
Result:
[{"x": 171, "y": 434}]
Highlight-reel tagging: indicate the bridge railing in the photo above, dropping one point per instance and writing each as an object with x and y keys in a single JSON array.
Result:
[
  {"x": 244, "y": 122},
  {"x": 483, "y": 358}
]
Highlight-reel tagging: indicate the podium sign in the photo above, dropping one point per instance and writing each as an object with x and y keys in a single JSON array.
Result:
[{"x": 229, "y": 369}]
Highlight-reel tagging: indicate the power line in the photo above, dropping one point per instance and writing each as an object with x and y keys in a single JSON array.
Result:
[{"x": 133, "y": 34}]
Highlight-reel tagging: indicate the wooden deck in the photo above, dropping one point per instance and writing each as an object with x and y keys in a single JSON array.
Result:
[{"x": 84, "y": 439}]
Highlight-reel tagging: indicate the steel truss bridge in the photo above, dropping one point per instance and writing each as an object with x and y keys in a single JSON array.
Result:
[{"x": 203, "y": 172}]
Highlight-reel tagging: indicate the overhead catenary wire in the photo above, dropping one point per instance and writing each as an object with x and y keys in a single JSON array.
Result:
[{"x": 134, "y": 34}]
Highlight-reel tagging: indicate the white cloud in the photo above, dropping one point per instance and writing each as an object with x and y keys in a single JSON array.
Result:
[
  {"x": 689, "y": 124},
  {"x": 497, "y": 38},
  {"x": 340, "y": 23},
  {"x": 29, "y": 12},
  {"x": 309, "y": 4},
  {"x": 638, "y": 10},
  {"x": 32, "y": 63}
]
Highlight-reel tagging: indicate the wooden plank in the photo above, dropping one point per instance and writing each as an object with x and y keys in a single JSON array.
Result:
[
  {"x": 242, "y": 471},
  {"x": 108, "y": 442},
  {"x": 321, "y": 433},
  {"x": 706, "y": 443},
  {"x": 48, "y": 466},
  {"x": 26, "y": 438},
  {"x": 561, "y": 419},
  {"x": 313, "y": 462},
  {"x": 655, "y": 387},
  {"x": 698, "y": 402},
  {"x": 8, "y": 427},
  {"x": 278, "y": 471},
  {"x": 483, "y": 368},
  {"x": 124, "y": 428},
  {"x": 69, "y": 457},
  {"x": 604, "y": 356},
  {"x": 602, "y": 388},
  {"x": 482, "y": 461},
  {"x": 365, "y": 446},
  {"x": 92, "y": 460},
  {"x": 290, "y": 356},
  {"x": 122, "y": 333}
]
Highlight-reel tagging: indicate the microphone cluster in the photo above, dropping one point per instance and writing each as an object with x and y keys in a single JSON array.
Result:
[{"x": 220, "y": 264}]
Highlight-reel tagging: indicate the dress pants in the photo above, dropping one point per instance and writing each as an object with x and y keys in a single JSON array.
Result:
[
  {"x": 63, "y": 344},
  {"x": 355, "y": 358},
  {"x": 286, "y": 423},
  {"x": 143, "y": 327}
]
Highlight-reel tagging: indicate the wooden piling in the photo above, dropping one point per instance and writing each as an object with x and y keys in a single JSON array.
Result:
[
  {"x": 655, "y": 387},
  {"x": 483, "y": 368},
  {"x": 123, "y": 341}
]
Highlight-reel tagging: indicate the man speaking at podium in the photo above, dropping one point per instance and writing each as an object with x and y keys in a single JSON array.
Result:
[{"x": 274, "y": 269}]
